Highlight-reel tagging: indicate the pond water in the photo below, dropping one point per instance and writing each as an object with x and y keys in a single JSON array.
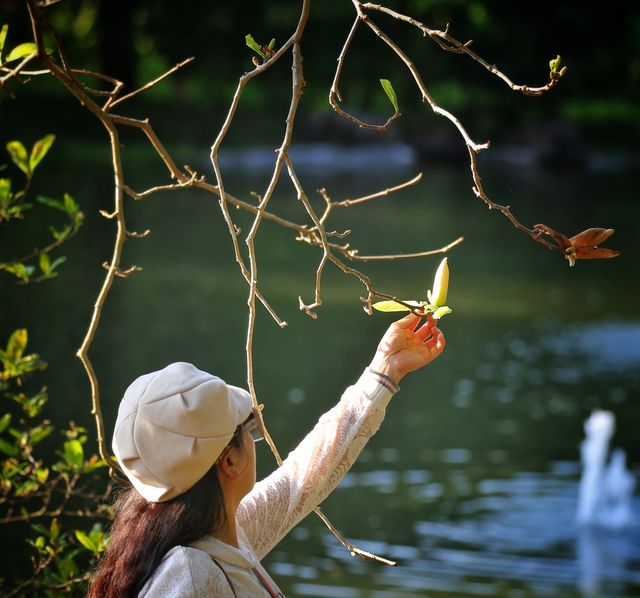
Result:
[{"x": 472, "y": 482}]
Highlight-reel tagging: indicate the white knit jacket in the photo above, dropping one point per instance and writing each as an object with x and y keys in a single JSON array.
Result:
[{"x": 277, "y": 503}]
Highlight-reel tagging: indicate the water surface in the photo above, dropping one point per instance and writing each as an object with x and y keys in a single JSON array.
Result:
[{"x": 471, "y": 483}]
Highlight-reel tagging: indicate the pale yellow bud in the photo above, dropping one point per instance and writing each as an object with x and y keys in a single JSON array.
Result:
[{"x": 438, "y": 295}]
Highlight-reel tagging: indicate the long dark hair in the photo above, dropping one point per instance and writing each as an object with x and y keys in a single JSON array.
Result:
[{"x": 143, "y": 532}]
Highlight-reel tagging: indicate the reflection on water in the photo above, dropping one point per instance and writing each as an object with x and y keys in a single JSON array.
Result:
[
  {"x": 518, "y": 538},
  {"x": 602, "y": 347}
]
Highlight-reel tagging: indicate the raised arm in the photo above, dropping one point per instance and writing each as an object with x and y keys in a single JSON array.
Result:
[{"x": 317, "y": 465}]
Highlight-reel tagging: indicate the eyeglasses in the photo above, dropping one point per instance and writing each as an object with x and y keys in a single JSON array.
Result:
[{"x": 253, "y": 426}]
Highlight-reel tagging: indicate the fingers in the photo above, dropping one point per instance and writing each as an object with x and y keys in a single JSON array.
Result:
[
  {"x": 409, "y": 321},
  {"x": 440, "y": 342},
  {"x": 436, "y": 343},
  {"x": 427, "y": 329}
]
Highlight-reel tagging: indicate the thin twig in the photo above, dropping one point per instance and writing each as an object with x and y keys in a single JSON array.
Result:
[
  {"x": 302, "y": 197},
  {"x": 352, "y": 202},
  {"x": 111, "y": 103},
  {"x": 404, "y": 256},
  {"x": 335, "y": 96},
  {"x": 450, "y": 44},
  {"x": 17, "y": 70}
]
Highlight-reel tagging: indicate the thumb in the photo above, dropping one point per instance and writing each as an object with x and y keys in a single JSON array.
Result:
[{"x": 409, "y": 321}]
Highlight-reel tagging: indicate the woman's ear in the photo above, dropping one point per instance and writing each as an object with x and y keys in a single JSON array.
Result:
[{"x": 229, "y": 463}]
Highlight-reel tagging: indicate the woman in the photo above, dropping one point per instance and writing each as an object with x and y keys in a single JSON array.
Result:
[{"x": 195, "y": 522}]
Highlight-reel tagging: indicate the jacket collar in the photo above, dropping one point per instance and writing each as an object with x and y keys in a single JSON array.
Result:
[{"x": 240, "y": 557}]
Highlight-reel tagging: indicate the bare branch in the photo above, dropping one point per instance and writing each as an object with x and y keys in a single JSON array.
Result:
[
  {"x": 351, "y": 202},
  {"x": 450, "y": 44},
  {"x": 334, "y": 93},
  {"x": 355, "y": 551},
  {"x": 308, "y": 309},
  {"x": 17, "y": 70},
  {"x": 111, "y": 103},
  {"x": 403, "y": 256},
  {"x": 151, "y": 136}
]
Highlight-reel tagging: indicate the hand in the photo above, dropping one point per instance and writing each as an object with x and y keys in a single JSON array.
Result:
[{"x": 403, "y": 349}]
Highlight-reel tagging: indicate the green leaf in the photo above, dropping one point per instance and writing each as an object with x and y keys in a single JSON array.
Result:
[
  {"x": 21, "y": 51},
  {"x": 39, "y": 150},
  {"x": 70, "y": 205},
  {"x": 394, "y": 305},
  {"x": 4, "y": 422},
  {"x": 27, "y": 488},
  {"x": 39, "y": 433},
  {"x": 54, "y": 529},
  {"x": 253, "y": 44},
  {"x": 45, "y": 264},
  {"x": 18, "y": 154},
  {"x": 272, "y": 44},
  {"x": 74, "y": 453},
  {"x": 61, "y": 260},
  {"x": 34, "y": 405},
  {"x": 7, "y": 448},
  {"x": 98, "y": 537},
  {"x": 86, "y": 541},
  {"x": 52, "y": 203},
  {"x": 94, "y": 463},
  {"x": 5, "y": 192},
  {"x": 60, "y": 235},
  {"x": 42, "y": 474},
  {"x": 391, "y": 93},
  {"x": 441, "y": 312},
  {"x": 18, "y": 270},
  {"x": 17, "y": 343},
  {"x": 3, "y": 37},
  {"x": 554, "y": 63}
]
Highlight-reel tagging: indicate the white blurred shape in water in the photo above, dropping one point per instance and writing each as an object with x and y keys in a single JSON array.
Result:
[
  {"x": 606, "y": 491},
  {"x": 618, "y": 489}
]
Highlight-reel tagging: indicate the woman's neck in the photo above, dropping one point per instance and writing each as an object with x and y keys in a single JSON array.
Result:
[{"x": 228, "y": 532}]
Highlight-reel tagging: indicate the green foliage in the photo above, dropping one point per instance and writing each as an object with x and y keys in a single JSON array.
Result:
[
  {"x": 38, "y": 265},
  {"x": 3, "y": 38},
  {"x": 391, "y": 93},
  {"x": 54, "y": 545},
  {"x": 20, "y": 51},
  {"x": 435, "y": 304},
  {"x": 32, "y": 490},
  {"x": 18, "y": 154},
  {"x": 555, "y": 72},
  {"x": 15, "y": 364},
  {"x": 39, "y": 150},
  {"x": 95, "y": 541},
  {"x": 391, "y": 306},
  {"x": 265, "y": 52}
]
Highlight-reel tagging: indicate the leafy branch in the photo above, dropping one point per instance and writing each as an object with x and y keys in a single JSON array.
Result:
[
  {"x": 13, "y": 205},
  {"x": 32, "y": 490}
]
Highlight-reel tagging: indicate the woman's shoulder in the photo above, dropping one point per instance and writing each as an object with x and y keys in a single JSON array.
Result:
[
  {"x": 188, "y": 554},
  {"x": 184, "y": 572}
]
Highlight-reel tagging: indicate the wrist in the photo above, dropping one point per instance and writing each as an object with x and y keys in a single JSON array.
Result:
[
  {"x": 382, "y": 365},
  {"x": 384, "y": 380}
]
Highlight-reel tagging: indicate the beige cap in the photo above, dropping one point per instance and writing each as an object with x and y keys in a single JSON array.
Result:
[{"x": 172, "y": 425}]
